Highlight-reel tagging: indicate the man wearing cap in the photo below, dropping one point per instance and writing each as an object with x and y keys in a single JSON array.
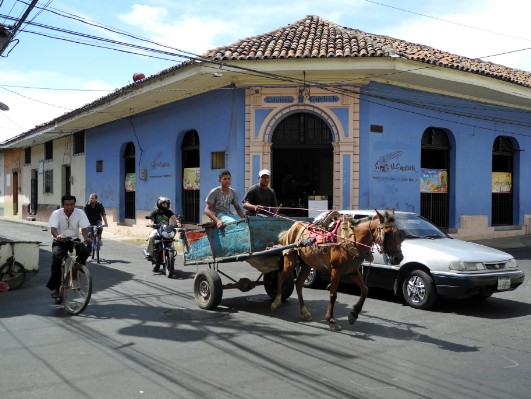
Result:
[{"x": 260, "y": 198}]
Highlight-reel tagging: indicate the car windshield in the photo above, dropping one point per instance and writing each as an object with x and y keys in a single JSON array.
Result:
[{"x": 416, "y": 227}]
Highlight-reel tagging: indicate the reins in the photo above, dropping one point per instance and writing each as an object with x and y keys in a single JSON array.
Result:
[{"x": 379, "y": 239}]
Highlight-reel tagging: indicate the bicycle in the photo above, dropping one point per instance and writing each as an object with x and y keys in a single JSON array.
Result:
[
  {"x": 76, "y": 283},
  {"x": 96, "y": 242},
  {"x": 12, "y": 272}
]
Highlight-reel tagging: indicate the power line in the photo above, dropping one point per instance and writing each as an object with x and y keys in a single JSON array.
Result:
[
  {"x": 216, "y": 64},
  {"x": 447, "y": 21}
]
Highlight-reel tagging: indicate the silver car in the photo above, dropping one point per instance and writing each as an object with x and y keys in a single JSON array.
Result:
[{"x": 436, "y": 265}]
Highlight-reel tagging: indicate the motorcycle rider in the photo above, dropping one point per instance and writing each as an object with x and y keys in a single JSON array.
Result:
[{"x": 162, "y": 215}]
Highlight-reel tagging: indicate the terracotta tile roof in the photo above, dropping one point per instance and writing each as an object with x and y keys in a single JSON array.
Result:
[{"x": 315, "y": 37}]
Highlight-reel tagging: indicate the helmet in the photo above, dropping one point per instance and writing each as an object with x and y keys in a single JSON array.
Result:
[{"x": 160, "y": 200}]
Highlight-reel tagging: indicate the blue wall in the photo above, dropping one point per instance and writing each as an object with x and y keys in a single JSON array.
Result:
[
  {"x": 390, "y": 161},
  {"x": 218, "y": 117}
]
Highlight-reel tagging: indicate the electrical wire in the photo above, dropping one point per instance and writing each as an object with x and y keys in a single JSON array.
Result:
[
  {"x": 331, "y": 87},
  {"x": 447, "y": 21}
]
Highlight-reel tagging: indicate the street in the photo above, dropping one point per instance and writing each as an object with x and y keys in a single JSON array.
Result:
[{"x": 142, "y": 335}]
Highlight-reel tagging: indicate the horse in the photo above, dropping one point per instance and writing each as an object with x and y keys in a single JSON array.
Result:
[{"x": 341, "y": 245}]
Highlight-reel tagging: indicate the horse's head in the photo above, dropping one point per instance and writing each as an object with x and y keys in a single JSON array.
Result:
[{"x": 389, "y": 237}]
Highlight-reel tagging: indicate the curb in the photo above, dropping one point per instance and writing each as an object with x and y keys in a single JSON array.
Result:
[{"x": 107, "y": 235}]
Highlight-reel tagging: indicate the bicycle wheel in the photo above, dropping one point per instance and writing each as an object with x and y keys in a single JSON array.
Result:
[
  {"x": 77, "y": 289},
  {"x": 97, "y": 244},
  {"x": 12, "y": 274}
]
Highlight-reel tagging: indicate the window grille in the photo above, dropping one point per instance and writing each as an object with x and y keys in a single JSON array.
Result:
[
  {"x": 48, "y": 181},
  {"x": 218, "y": 160}
]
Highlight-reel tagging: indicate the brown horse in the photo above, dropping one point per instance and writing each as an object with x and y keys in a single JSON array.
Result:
[{"x": 342, "y": 244}]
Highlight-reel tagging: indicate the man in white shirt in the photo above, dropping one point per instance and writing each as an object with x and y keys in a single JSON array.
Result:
[{"x": 65, "y": 223}]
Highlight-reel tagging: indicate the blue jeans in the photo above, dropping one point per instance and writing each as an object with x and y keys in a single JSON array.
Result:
[{"x": 100, "y": 229}]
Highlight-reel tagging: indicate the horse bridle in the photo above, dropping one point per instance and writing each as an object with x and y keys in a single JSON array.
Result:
[{"x": 380, "y": 233}]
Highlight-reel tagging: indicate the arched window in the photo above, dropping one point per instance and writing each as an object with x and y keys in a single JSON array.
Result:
[
  {"x": 130, "y": 181},
  {"x": 435, "y": 165},
  {"x": 502, "y": 181},
  {"x": 190, "y": 170}
]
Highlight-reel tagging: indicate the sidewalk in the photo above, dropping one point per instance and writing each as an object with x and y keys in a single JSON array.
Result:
[
  {"x": 106, "y": 234},
  {"x": 520, "y": 241}
]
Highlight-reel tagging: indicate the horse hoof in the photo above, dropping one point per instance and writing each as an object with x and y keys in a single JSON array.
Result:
[
  {"x": 305, "y": 314},
  {"x": 334, "y": 326},
  {"x": 306, "y": 317},
  {"x": 352, "y": 317}
]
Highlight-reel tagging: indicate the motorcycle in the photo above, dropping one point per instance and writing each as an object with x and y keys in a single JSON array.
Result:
[{"x": 164, "y": 248}]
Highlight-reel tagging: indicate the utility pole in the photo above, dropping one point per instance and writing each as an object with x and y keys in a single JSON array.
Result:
[{"x": 7, "y": 34}]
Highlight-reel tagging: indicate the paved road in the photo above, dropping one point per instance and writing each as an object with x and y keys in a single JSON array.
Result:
[{"x": 143, "y": 336}]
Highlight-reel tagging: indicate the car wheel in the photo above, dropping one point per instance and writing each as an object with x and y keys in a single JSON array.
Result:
[
  {"x": 313, "y": 280},
  {"x": 419, "y": 290}
]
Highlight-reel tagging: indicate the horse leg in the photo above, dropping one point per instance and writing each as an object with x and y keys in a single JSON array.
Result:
[
  {"x": 286, "y": 271},
  {"x": 364, "y": 292},
  {"x": 299, "y": 285},
  {"x": 334, "y": 284}
]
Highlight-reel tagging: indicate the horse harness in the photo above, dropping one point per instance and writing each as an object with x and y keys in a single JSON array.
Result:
[{"x": 327, "y": 236}]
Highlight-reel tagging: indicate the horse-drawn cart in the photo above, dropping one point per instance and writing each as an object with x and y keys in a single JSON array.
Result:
[{"x": 253, "y": 239}]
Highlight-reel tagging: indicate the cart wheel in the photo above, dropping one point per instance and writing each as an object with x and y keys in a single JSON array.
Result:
[
  {"x": 270, "y": 285},
  {"x": 13, "y": 274},
  {"x": 208, "y": 290}
]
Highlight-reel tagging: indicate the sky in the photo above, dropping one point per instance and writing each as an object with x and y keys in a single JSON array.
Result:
[{"x": 43, "y": 77}]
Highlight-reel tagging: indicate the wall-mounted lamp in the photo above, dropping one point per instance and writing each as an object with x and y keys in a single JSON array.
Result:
[{"x": 143, "y": 174}]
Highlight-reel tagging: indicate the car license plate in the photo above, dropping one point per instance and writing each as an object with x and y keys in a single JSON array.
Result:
[{"x": 504, "y": 283}]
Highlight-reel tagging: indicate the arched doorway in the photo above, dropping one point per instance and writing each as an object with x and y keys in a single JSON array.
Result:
[
  {"x": 130, "y": 181},
  {"x": 302, "y": 162},
  {"x": 191, "y": 177},
  {"x": 502, "y": 181},
  {"x": 435, "y": 172}
]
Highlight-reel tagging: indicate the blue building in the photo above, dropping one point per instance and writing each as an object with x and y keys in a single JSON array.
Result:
[{"x": 365, "y": 121}]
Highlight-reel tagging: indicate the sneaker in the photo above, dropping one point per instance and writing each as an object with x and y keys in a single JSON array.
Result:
[
  {"x": 55, "y": 293},
  {"x": 156, "y": 268},
  {"x": 147, "y": 256}
]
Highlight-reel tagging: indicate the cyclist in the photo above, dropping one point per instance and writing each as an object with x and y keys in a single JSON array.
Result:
[
  {"x": 65, "y": 223},
  {"x": 95, "y": 213},
  {"x": 162, "y": 215}
]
